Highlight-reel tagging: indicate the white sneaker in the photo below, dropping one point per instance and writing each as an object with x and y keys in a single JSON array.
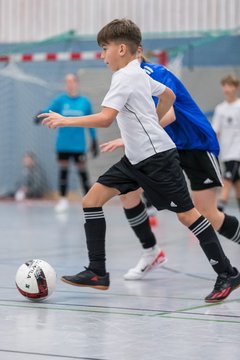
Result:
[
  {"x": 151, "y": 211},
  {"x": 150, "y": 259},
  {"x": 62, "y": 205}
]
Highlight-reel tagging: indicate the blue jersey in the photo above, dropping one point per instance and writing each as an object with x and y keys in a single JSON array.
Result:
[
  {"x": 72, "y": 139},
  {"x": 191, "y": 129}
]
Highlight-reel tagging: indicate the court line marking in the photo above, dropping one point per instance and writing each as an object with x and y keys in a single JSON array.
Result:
[
  {"x": 183, "y": 310},
  {"x": 165, "y": 314},
  {"x": 73, "y": 310},
  {"x": 47, "y": 354},
  {"x": 187, "y": 274},
  {"x": 207, "y": 320},
  {"x": 27, "y": 303},
  {"x": 109, "y": 293},
  {"x": 157, "y": 312},
  {"x": 188, "y": 311}
]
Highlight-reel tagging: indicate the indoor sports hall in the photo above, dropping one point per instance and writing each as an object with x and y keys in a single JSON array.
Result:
[{"x": 163, "y": 315}]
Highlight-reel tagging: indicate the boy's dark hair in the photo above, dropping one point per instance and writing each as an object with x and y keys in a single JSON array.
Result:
[
  {"x": 230, "y": 80},
  {"x": 121, "y": 31}
]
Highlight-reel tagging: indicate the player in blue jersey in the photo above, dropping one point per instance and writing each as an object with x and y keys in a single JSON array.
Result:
[
  {"x": 198, "y": 149},
  {"x": 71, "y": 142}
]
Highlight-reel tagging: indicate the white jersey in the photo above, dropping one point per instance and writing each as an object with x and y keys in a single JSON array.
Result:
[
  {"x": 130, "y": 94},
  {"x": 226, "y": 123}
]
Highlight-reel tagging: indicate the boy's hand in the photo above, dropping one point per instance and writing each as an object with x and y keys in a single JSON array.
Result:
[
  {"x": 53, "y": 120},
  {"x": 112, "y": 145}
]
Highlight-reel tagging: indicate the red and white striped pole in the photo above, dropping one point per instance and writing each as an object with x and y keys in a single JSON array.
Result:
[
  {"x": 162, "y": 56},
  {"x": 53, "y": 56}
]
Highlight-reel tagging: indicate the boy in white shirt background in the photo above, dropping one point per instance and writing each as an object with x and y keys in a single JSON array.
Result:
[{"x": 226, "y": 123}]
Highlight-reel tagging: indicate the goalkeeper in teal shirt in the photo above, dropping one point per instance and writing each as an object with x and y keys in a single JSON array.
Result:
[{"x": 71, "y": 142}]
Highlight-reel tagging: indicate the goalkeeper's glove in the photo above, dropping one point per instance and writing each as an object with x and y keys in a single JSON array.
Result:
[
  {"x": 94, "y": 148},
  {"x": 37, "y": 120}
]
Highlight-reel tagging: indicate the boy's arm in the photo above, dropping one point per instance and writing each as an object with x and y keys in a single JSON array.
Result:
[
  {"x": 102, "y": 119},
  {"x": 165, "y": 102},
  {"x": 54, "y": 106},
  {"x": 112, "y": 145},
  {"x": 168, "y": 118},
  {"x": 115, "y": 144}
]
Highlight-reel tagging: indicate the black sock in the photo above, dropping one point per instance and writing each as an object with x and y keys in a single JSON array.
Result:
[
  {"x": 211, "y": 246},
  {"x": 63, "y": 178},
  {"x": 85, "y": 180},
  {"x": 95, "y": 228},
  {"x": 230, "y": 228},
  {"x": 139, "y": 222}
]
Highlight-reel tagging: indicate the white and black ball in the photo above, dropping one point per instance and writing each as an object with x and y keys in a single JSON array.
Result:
[{"x": 36, "y": 279}]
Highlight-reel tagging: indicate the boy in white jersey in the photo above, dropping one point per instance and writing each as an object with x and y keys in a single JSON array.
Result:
[
  {"x": 226, "y": 123},
  {"x": 151, "y": 160}
]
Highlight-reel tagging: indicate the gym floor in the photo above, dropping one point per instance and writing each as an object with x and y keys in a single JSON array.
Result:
[{"x": 163, "y": 316}]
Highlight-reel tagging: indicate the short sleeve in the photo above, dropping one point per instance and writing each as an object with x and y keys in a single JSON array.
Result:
[
  {"x": 169, "y": 81},
  {"x": 118, "y": 93},
  {"x": 216, "y": 121},
  {"x": 165, "y": 77},
  {"x": 157, "y": 88}
]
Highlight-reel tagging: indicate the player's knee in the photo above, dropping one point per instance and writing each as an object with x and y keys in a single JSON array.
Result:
[
  {"x": 183, "y": 218},
  {"x": 91, "y": 201},
  {"x": 130, "y": 200},
  {"x": 202, "y": 209},
  {"x": 210, "y": 212},
  {"x": 187, "y": 218},
  {"x": 126, "y": 200},
  {"x": 88, "y": 202}
]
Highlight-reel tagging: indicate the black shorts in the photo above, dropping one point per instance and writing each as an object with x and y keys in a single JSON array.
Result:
[
  {"x": 202, "y": 169},
  {"x": 160, "y": 176},
  {"x": 231, "y": 170},
  {"x": 77, "y": 157}
]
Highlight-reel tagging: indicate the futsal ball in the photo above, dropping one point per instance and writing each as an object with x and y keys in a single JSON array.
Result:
[{"x": 36, "y": 279}]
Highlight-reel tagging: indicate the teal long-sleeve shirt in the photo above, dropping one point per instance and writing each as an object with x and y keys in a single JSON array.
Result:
[{"x": 72, "y": 139}]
